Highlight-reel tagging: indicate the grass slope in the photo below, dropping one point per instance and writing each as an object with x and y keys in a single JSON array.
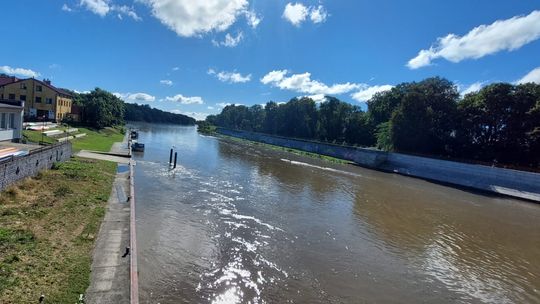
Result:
[
  {"x": 96, "y": 140},
  {"x": 47, "y": 230}
]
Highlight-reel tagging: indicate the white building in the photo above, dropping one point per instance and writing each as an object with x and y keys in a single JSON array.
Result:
[{"x": 11, "y": 120}]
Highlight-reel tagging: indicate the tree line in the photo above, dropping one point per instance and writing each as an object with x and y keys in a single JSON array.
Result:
[
  {"x": 498, "y": 124},
  {"x": 100, "y": 109}
]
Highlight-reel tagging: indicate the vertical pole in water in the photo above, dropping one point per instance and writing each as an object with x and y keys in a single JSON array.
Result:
[
  {"x": 170, "y": 158},
  {"x": 175, "y": 155}
]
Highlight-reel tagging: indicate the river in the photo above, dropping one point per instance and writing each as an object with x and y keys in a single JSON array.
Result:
[{"x": 238, "y": 223}]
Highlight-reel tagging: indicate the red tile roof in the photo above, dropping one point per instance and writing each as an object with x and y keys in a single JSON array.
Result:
[
  {"x": 10, "y": 80},
  {"x": 4, "y": 79}
]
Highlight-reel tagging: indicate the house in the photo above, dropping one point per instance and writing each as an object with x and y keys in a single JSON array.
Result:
[
  {"x": 76, "y": 113},
  {"x": 11, "y": 120},
  {"x": 41, "y": 99}
]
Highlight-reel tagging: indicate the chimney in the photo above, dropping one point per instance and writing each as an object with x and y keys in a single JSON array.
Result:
[{"x": 47, "y": 81}]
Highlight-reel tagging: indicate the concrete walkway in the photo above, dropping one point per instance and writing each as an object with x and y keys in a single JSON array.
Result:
[
  {"x": 102, "y": 156},
  {"x": 110, "y": 278}
]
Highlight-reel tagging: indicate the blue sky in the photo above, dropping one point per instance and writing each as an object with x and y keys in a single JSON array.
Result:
[{"x": 194, "y": 57}]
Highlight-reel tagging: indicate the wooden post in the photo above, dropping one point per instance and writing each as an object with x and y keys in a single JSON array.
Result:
[{"x": 175, "y": 155}]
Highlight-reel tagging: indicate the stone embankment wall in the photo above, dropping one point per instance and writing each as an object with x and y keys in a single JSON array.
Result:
[
  {"x": 17, "y": 168},
  {"x": 520, "y": 184}
]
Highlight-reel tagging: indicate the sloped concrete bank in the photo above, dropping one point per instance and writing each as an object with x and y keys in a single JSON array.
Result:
[{"x": 519, "y": 184}]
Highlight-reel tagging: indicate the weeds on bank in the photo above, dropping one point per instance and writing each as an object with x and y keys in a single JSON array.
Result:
[{"x": 48, "y": 226}]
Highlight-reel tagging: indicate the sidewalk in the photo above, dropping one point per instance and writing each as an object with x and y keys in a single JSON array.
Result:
[{"x": 110, "y": 278}]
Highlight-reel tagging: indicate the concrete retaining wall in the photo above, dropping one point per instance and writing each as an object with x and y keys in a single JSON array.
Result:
[
  {"x": 514, "y": 183},
  {"x": 17, "y": 168}
]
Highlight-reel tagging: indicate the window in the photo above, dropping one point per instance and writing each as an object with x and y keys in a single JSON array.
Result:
[
  {"x": 23, "y": 86},
  {"x": 39, "y": 88},
  {"x": 48, "y": 100},
  {"x": 3, "y": 121},
  {"x": 12, "y": 120},
  {"x": 38, "y": 99},
  {"x": 23, "y": 97},
  {"x": 11, "y": 97}
]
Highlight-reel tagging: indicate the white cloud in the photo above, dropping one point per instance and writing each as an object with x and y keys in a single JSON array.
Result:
[
  {"x": 318, "y": 15},
  {"x": 184, "y": 99},
  {"x": 210, "y": 108},
  {"x": 18, "y": 71},
  {"x": 135, "y": 97},
  {"x": 475, "y": 87},
  {"x": 304, "y": 84},
  {"x": 297, "y": 13},
  {"x": 176, "y": 68},
  {"x": 509, "y": 34},
  {"x": 104, "y": 7},
  {"x": 166, "y": 82},
  {"x": 188, "y": 18},
  {"x": 88, "y": 92},
  {"x": 253, "y": 19},
  {"x": 532, "y": 76},
  {"x": 367, "y": 92},
  {"x": 318, "y": 98},
  {"x": 98, "y": 7},
  {"x": 66, "y": 8},
  {"x": 196, "y": 115},
  {"x": 229, "y": 41},
  {"x": 127, "y": 11},
  {"x": 230, "y": 77},
  {"x": 222, "y": 104}
]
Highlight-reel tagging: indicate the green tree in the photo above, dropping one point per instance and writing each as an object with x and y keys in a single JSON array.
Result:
[
  {"x": 102, "y": 109},
  {"x": 424, "y": 122}
]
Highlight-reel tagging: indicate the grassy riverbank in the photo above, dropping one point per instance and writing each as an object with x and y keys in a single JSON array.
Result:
[
  {"x": 47, "y": 230},
  {"x": 290, "y": 150},
  {"x": 96, "y": 140}
]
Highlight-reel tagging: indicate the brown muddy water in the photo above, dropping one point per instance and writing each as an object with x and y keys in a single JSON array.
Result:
[{"x": 237, "y": 223}]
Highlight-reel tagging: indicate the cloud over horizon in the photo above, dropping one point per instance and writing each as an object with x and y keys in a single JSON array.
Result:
[
  {"x": 533, "y": 76},
  {"x": 18, "y": 71},
  {"x": 135, "y": 97},
  {"x": 184, "y": 99},
  {"x": 303, "y": 83}
]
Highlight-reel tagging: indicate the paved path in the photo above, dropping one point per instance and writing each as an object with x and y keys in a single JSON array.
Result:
[
  {"x": 122, "y": 148},
  {"x": 101, "y": 156},
  {"x": 110, "y": 278}
]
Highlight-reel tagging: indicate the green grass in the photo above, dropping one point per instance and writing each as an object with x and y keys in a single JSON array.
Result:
[
  {"x": 98, "y": 140},
  {"x": 95, "y": 140},
  {"x": 290, "y": 150},
  {"x": 48, "y": 225},
  {"x": 36, "y": 137}
]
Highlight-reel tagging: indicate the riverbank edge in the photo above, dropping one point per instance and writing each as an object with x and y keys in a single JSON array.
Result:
[
  {"x": 505, "y": 182},
  {"x": 121, "y": 286},
  {"x": 285, "y": 149}
]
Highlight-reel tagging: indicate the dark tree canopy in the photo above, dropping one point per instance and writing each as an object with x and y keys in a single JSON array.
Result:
[
  {"x": 498, "y": 124},
  {"x": 102, "y": 109},
  {"x": 135, "y": 112}
]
